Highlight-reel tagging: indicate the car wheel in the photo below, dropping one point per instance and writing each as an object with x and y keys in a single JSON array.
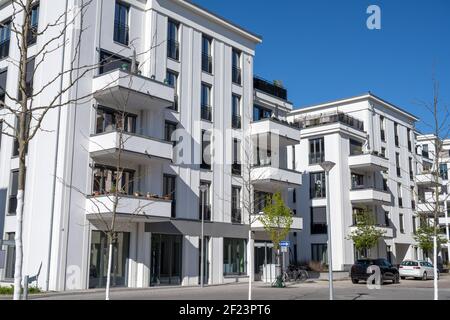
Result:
[
  {"x": 424, "y": 276},
  {"x": 355, "y": 281},
  {"x": 396, "y": 279}
]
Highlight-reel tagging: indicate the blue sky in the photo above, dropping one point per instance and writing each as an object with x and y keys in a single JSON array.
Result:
[{"x": 322, "y": 49}]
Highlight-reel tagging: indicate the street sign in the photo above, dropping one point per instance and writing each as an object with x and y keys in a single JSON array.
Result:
[
  {"x": 284, "y": 249},
  {"x": 285, "y": 244}
]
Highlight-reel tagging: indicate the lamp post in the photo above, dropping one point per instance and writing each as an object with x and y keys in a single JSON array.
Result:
[
  {"x": 203, "y": 188},
  {"x": 327, "y": 166}
]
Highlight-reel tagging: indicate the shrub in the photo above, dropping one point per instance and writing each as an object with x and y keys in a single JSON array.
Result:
[{"x": 10, "y": 290}]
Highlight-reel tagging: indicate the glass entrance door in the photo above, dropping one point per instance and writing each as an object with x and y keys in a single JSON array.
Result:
[
  {"x": 263, "y": 257},
  {"x": 99, "y": 260},
  {"x": 166, "y": 259}
]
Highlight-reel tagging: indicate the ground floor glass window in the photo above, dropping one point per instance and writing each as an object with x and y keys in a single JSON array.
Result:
[{"x": 234, "y": 256}]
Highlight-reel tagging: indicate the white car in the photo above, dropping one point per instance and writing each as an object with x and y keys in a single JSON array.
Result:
[{"x": 418, "y": 269}]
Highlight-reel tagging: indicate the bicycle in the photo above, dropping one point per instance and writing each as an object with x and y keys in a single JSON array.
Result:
[{"x": 295, "y": 274}]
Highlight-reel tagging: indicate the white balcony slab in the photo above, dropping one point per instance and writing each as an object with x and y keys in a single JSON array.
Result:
[
  {"x": 133, "y": 147},
  {"x": 370, "y": 196},
  {"x": 98, "y": 206},
  {"x": 287, "y": 134},
  {"x": 257, "y": 225},
  {"x": 444, "y": 221},
  {"x": 268, "y": 178},
  {"x": 428, "y": 179},
  {"x": 120, "y": 88},
  {"x": 428, "y": 207},
  {"x": 388, "y": 231},
  {"x": 368, "y": 162}
]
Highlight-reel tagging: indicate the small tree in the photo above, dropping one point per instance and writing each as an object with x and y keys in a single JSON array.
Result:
[
  {"x": 277, "y": 221},
  {"x": 424, "y": 238},
  {"x": 366, "y": 235}
]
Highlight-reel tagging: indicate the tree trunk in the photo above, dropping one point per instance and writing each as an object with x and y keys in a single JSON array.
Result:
[
  {"x": 250, "y": 264},
  {"x": 108, "y": 272}
]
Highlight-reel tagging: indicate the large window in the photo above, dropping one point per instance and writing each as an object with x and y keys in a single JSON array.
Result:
[
  {"x": 206, "y": 54},
  {"x": 106, "y": 180},
  {"x": 33, "y": 27},
  {"x": 169, "y": 190},
  {"x": 169, "y": 129},
  {"x": 110, "y": 62},
  {"x": 443, "y": 171},
  {"x": 166, "y": 259},
  {"x": 317, "y": 185},
  {"x": 172, "y": 80},
  {"x": 5, "y": 36},
  {"x": 205, "y": 202},
  {"x": 236, "y": 111},
  {"x": 356, "y": 147},
  {"x": 319, "y": 252},
  {"x": 121, "y": 23},
  {"x": 206, "y": 150},
  {"x": 236, "y": 167},
  {"x": 382, "y": 128},
  {"x": 260, "y": 113},
  {"x": 29, "y": 73},
  {"x": 13, "y": 189},
  {"x": 98, "y": 268},
  {"x": 425, "y": 152},
  {"x": 236, "y": 205},
  {"x": 261, "y": 199},
  {"x": 10, "y": 257},
  {"x": 236, "y": 66},
  {"x": 396, "y": 134},
  {"x": 318, "y": 220},
  {"x": 402, "y": 228},
  {"x": 172, "y": 40},
  {"x": 316, "y": 151},
  {"x": 397, "y": 164},
  {"x": 109, "y": 120},
  {"x": 3, "y": 77},
  {"x": 357, "y": 181},
  {"x": 234, "y": 256},
  {"x": 206, "y": 110}
]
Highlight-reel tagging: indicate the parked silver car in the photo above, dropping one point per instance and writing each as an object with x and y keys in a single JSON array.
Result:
[{"x": 418, "y": 269}]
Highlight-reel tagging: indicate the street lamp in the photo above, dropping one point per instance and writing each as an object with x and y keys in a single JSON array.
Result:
[
  {"x": 203, "y": 188},
  {"x": 327, "y": 166}
]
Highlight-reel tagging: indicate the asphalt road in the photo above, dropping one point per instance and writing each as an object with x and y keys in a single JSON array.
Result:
[{"x": 344, "y": 290}]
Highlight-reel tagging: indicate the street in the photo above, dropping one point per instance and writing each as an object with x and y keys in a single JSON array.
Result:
[{"x": 318, "y": 290}]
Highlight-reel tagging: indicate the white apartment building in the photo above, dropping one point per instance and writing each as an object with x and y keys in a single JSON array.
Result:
[
  {"x": 194, "y": 72},
  {"x": 371, "y": 143}
]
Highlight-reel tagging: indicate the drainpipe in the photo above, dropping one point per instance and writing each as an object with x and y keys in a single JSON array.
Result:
[{"x": 52, "y": 210}]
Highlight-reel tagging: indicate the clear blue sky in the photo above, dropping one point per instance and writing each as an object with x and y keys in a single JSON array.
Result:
[{"x": 322, "y": 49}]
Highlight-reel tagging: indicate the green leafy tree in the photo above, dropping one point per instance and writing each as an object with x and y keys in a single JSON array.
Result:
[
  {"x": 366, "y": 234},
  {"x": 277, "y": 221},
  {"x": 424, "y": 238}
]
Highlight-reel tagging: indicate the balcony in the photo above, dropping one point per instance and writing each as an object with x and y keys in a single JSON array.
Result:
[
  {"x": 428, "y": 208},
  {"x": 136, "y": 148},
  {"x": 288, "y": 133},
  {"x": 297, "y": 223},
  {"x": 120, "y": 88},
  {"x": 271, "y": 179},
  {"x": 102, "y": 205},
  {"x": 368, "y": 162},
  {"x": 369, "y": 195},
  {"x": 427, "y": 178},
  {"x": 329, "y": 118},
  {"x": 388, "y": 230},
  {"x": 270, "y": 88}
]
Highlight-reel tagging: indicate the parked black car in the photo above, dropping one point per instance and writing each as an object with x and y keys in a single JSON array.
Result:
[{"x": 358, "y": 271}]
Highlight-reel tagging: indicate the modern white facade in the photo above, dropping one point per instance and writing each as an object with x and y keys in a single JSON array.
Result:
[{"x": 176, "y": 67}]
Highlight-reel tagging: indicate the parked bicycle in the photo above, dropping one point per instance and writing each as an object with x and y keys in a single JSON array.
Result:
[{"x": 295, "y": 274}]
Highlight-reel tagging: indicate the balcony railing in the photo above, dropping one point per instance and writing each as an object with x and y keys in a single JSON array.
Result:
[
  {"x": 316, "y": 158},
  {"x": 4, "y": 49},
  {"x": 173, "y": 49},
  {"x": 121, "y": 32},
  {"x": 206, "y": 112},
  {"x": 206, "y": 62},
  {"x": 335, "y": 117},
  {"x": 236, "y": 121},
  {"x": 236, "y": 216},
  {"x": 270, "y": 88},
  {"x": 236, "y": 75},
  {"x": 207, "y": 212}
]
